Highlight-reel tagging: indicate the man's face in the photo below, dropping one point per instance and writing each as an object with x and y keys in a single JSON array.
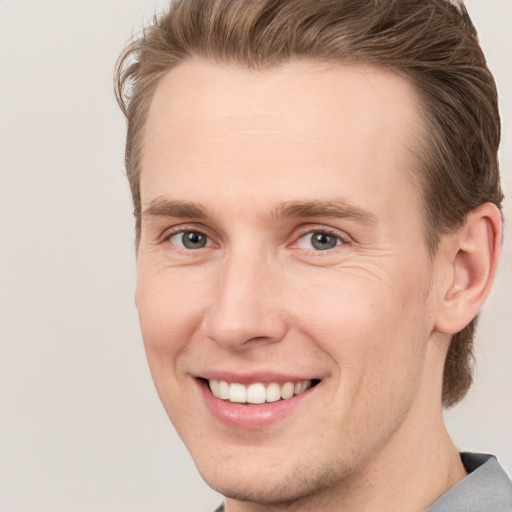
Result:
[{"x": 282, "y": 248}]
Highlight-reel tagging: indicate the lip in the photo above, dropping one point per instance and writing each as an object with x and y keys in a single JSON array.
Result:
[{"x": 248, "y": 416}]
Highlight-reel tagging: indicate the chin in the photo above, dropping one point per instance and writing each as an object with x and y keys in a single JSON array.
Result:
[
  {"x": 266, "y": 491},
  {"x": 285, "y": 484}
]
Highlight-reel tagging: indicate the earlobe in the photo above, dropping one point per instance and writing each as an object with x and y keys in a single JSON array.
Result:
[{"x": 473, "y": 261}]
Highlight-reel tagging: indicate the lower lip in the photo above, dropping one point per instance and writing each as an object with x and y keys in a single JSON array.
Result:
[{"x": 251, "y": 416}]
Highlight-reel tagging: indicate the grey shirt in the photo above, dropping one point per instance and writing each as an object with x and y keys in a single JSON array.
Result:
[{"x": 487, "y": 488}]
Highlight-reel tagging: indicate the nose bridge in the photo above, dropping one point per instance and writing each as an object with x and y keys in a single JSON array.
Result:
[{"x": 246, "y": 304}]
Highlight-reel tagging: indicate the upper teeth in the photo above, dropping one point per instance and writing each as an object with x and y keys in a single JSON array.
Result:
[{"x": 257, "y": 393}]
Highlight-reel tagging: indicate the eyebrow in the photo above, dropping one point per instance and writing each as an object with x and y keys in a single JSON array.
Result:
[
  {"x": 160, "y": 207},
  {"x": 337, "y": 208}
]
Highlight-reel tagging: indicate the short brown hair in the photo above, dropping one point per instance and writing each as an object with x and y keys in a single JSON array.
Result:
[{"x": 428, "y": 42}]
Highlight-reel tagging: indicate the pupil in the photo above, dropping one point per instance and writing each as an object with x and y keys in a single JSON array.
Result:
[
  {"x": 323, "y": 241},
  {"x": 192, "y": 240}
]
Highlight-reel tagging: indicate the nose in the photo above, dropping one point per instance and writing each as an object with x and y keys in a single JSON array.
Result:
[{"x": 246, "y": 307}]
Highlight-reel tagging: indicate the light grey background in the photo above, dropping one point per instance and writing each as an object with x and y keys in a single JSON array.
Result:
[{"x": 81, "y": 428}]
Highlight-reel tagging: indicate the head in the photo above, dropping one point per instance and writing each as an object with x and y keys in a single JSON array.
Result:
[
  {"x": 427, "y": 43},
  {"x": 422, "y": 51}
]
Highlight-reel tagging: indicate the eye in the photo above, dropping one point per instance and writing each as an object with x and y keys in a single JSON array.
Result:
[
  {"x": 319, "y": 240},
  {"x": 189, "y": 240}
]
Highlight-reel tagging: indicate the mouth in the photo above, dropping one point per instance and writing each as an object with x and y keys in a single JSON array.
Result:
[{"x": 257, "y": 393}]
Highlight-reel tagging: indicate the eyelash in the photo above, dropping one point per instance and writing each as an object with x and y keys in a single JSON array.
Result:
[{"x": 343, "y": 239}]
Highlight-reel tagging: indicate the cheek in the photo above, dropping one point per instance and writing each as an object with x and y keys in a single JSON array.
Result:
[
  {"x": 168, "y": 317},
  {"x": 363, "y": 323},
  {"x": 169, "y": 311}
]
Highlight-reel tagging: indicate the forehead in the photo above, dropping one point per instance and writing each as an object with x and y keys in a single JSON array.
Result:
[{"x": 298, "y": 129}]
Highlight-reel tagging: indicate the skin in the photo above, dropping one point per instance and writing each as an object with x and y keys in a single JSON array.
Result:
[{"x": 370, "y": 318}]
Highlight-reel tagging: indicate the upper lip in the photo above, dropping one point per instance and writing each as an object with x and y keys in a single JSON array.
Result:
[{"x": 254, "y": 377}]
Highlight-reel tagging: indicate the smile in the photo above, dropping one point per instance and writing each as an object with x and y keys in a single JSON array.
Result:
[{"x": 257, "y": 393}]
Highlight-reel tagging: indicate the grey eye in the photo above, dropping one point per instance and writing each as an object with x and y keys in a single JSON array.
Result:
[
  {"x": 189, "y": 240},
  {"x": 318, "y": 240}
]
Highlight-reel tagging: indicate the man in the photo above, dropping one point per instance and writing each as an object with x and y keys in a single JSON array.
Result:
[{"x": 317, "y": 207}]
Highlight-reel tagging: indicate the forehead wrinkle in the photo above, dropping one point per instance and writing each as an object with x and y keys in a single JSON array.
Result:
[{"x": 338, "y": 208}]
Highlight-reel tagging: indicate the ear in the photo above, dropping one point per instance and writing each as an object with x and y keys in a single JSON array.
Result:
[{"x": 472, "y": 260}]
